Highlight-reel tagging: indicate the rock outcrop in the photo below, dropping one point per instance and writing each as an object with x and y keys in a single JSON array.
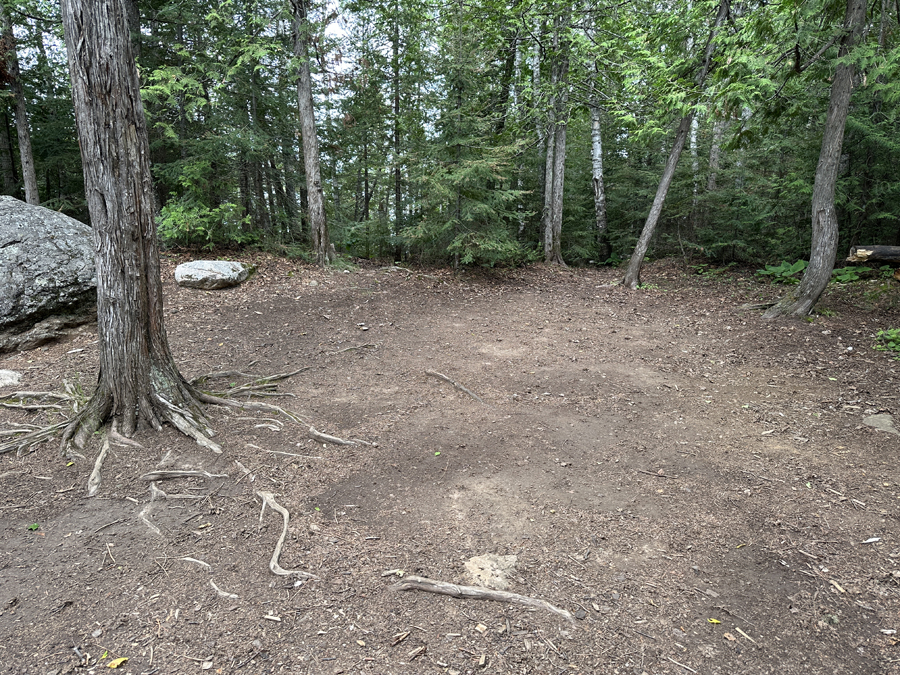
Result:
[{"x": 47, "y": 279}]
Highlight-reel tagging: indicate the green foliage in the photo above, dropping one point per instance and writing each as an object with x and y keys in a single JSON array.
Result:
[
  {"x": 847, "y": 275},
  {"x": 183, "y": 222},
  {"x": 784, "y": 273},
  {"x": 888, "y": 340}
]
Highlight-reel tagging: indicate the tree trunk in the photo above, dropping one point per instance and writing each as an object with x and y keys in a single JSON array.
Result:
[
  {"x": 395, "y": 84},
  {"x": 8, "y": 177},
  {"x": 715, "y": 153},
  {"x": 597, "y": 173},
  {"x": 556, "y": 144},
  {"x": 138, "y": 377},
  {"x": 633, "y": 273},
  {"x": 801, "y": 300},
  {"x": 315, "y": 194},
  {"x": 29, "y": 175}
]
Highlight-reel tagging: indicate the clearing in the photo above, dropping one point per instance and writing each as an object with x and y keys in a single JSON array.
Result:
[{"x": 697, "y": 487}]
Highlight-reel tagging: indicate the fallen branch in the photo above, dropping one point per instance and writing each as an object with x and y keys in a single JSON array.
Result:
[
  {"x": 325, "y": 438},
  {"x": 414, "y": 583},
  {"x": 269, "y": 500},
  {"x": 457, "y": 385}
]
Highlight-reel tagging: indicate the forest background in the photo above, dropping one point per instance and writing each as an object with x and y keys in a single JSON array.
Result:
[{"x": 482, "y": 132}]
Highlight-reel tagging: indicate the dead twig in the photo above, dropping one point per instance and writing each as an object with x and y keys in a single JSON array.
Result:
[
  {"x": 368, "y": 345},
  {"x": 457, "y": 385},
  {"x": 682, "y": 665},
  {"x": 655, "y": 475},
  {"x": 473, "y": 592}
]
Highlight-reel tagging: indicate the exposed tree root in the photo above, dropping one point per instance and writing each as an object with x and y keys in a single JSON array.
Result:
[
  {"x": 269, "y": 500},
  {"x": 457, "y": 385},
  {"x": 325, "y": 438},
  {"x": 170, "y": 399},
  {"x": 473, "y": 592},
  {"x": 166, "y": 474},
  {"x": 93, "y": 483}
]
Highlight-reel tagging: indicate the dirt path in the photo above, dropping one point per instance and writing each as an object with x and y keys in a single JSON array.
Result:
[{"x": 694, "y": 485}]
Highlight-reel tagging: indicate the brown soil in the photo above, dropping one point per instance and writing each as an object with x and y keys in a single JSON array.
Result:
[{"x": 694, "y": 484}]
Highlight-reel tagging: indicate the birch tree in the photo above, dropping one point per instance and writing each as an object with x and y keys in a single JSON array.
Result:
[{"x": 315, "y": 193}]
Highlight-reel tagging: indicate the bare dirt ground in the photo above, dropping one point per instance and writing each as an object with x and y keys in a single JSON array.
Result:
[{"x": 696, "y": 486}]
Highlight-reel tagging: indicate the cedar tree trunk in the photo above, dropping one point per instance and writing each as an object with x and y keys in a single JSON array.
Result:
[
  {"x": 801, "y": 300},
  {"x": 138, "y": 378}
]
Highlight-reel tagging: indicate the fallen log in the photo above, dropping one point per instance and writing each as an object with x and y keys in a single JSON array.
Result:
[{"x": 884, "y": 254}]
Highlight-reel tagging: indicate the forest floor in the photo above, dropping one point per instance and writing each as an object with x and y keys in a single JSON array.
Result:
[{"x": 698, "y": 487}]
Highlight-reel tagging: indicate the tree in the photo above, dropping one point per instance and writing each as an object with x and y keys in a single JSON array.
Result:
[
  {"x": 556, "y": 141},
  {"x": 800, "y": 301},
  {"x": 633, "y": 273},
  {"x": 316, "y": 195},
  {"x": 9, "y": 72},
  {"x": 138, "y": 378}
]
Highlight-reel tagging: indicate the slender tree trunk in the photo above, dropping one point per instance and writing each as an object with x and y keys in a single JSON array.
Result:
[
  {"x": 800, "y": 301},
  {"x": 597, "y": 173},
  {"x": 29, "y": 175},
  {"x": 138, "y": 377},
  {"x": 715, "y": 153},
  {"x": 315, "y": 193},
  {"x": 395, "y": 84},
  {"x": 633, "y": 273},
  {"x": 7, "y": 164}
]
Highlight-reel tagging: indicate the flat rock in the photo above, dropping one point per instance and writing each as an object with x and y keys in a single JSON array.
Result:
[
  {"x": 8, "y": 378},
  {"x": 210, "y": 275},
  {"x": 882, "y": 422},
  {"x": 491, "y": 571},
  {"x": 47, "y": 279}
]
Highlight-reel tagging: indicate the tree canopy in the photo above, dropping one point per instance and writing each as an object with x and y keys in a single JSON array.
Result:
[{"x": 435, "y": 123}]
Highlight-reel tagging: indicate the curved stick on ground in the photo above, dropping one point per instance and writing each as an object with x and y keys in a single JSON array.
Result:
[
  {"x": 457, "y": 385},
  {"x": 221, "y": 593},
  {"x": 414, "y": 583},
  {"x": 269, "y": 500},
  {"x": 325, "y": 438},
  {"x": 93, "y": 483}
]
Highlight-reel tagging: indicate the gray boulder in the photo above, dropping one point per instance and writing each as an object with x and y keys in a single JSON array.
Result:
[
  {"x": 209, "y": 275},
  {"x": 47, "y": 280}
]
